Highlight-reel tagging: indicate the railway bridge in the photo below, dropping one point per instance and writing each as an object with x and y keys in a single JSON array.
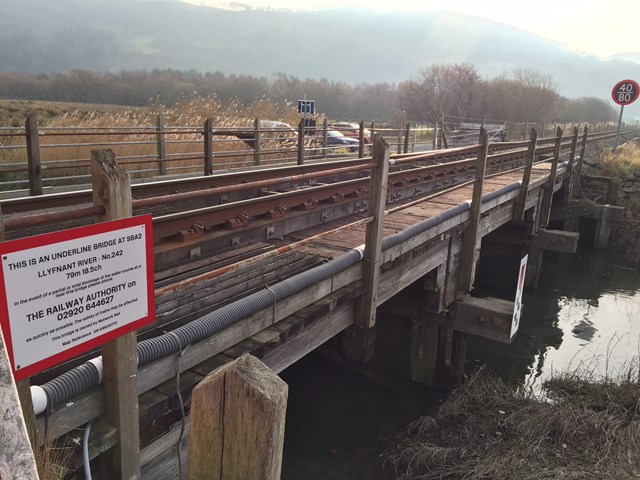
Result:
[{"x": 275, "y": 262}]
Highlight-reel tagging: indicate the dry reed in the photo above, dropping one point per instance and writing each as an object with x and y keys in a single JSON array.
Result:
[{"x": 576, "y": 429}]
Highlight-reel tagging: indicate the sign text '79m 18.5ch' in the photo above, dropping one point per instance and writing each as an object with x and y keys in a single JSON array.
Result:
[{"x": 67, "y": 292}]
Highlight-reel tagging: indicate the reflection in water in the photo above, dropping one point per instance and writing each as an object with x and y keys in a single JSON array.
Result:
[{"x": 585, "y": 314}]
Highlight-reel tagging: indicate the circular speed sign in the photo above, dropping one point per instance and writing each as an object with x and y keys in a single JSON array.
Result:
[{"x": 625, "y": 92}]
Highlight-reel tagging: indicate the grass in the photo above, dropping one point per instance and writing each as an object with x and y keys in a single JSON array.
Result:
[
  {"x": 62, "y": 156},
  {"x": 577, "y": 428},
  {"x": 623, "y": 164}
]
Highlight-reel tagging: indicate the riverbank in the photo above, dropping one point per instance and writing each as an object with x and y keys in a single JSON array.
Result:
[
  {"x": 623, "y": 166},
  {"x": 575, "y": 428}
]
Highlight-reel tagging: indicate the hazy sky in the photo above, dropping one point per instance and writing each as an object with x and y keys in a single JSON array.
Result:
[{"x": 599, "y": 27}]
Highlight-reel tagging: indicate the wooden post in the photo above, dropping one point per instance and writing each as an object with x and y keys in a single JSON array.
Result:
[
  {"x": 33, "y": 155},
  {"x": 548, "y": 192},
  {"x": 524, "y": 132},
  {"x": 361, "y": 140},
  {"x": 366, "y": 312},
  {"x": 324, "y": 138},
  {"x": 112, "y": 188},
  {"x": 407, "y": 132},
  {"x": 16, "y": 456},
  {"x": 519, "y": 208},
  {"x": 399, "y": 140},
  {"x": 468, "y": 252},
  {"x": 256, "y": 141},
  {"x": 568, "y": 195},
  {"x": 301, "y": 143},
  {"x": 583, "y": 147},
  {"x": 208, "y": 146},
  {"x": 161, "y": 146},
  {"x": 237, "y": 423},
  {"x": 443, "y": 137},
  {"x": 506, "y": 131},
  {"x": 23, "y": 388}
]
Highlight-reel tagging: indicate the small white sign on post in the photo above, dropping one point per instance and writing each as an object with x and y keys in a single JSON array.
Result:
[
  {"x": 67, "y": 292},
  {"x": 517, "y": 309}
]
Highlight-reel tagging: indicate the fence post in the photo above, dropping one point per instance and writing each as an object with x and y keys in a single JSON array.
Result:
[
  {"x": 237, "y": 423},
  {"x": 583, "y": 147},
  {"x": 17, "y": 444},
  {"x": 301, "y": 142},
  {"x": 161, "y": 146},
  {"x": 366, "y": 312},
  {"x": 16, "y": 456},
  {"x": 521, "y": 202},
  {"x": 256, "y": 141},
  {"x": 324, "y": 138},
  {"x": 208, "y": 146},
  {"x": 442, "y": 139},
  {"x": 407, "y": 132},
  {"x": 24, "y": 387},
  {"x": 547, "y": 197},
  {"x": 570, "y": 166},
  {"x": 468, "y": 251},
  {"x": 399, "y": 139},
  {"x": 33, "y": 155},
  {"x": 112, "y": 188},
  {"x": 361, "y": 140}
]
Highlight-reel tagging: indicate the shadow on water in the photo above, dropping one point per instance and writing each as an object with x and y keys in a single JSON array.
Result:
[
  {"x": 585, "y": 314},
  {"x": 587, "y": 309},
  {"x": 337, "y": 419}
]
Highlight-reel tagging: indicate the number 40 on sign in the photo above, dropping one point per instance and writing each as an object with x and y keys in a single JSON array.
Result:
[{"x": 625, "y": 92}]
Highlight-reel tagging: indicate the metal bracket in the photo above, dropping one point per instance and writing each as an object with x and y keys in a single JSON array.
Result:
[{"x": 241, "y": 220}]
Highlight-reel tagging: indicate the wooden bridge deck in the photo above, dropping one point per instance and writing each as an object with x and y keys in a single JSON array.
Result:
[
  {"x": 290, "y": 329},
  {"x": 331, "y": 305}
]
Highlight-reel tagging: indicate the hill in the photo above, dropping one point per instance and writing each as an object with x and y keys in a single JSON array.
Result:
[{"x": 351, "y": 45}]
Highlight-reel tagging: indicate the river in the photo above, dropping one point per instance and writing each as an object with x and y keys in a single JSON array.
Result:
[{"x": 585, "y": 313}]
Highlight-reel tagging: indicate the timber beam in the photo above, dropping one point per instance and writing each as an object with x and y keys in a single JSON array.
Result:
[
  {"x": 556, "y": 240},
  {"x": 484, "y": 317}
]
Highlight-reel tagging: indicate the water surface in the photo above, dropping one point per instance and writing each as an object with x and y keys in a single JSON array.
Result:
[{"x": 585, "y": 314}]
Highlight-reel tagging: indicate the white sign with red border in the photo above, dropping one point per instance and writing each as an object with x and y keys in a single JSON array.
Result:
[
  {"x": 67, "y": 292},
  {"x": 517, "y": 309}
]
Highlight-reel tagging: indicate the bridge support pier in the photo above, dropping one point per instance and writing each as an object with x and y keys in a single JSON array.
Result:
[
  {"x": 359, "y": 344},
  {"x": 437, "y": 352},
  {"x": 608, "y": 214}
]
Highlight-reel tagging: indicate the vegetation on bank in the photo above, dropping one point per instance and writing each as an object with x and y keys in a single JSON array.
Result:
[
  {"x": 623, "y": 165},
  {"x": 578, "y": 427}
]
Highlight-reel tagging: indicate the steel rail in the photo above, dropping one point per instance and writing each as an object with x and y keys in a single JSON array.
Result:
[{"x": 404, "y": 176}]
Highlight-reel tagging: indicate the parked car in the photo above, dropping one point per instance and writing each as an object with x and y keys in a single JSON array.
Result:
[
  {"x": 337, "y": 139},
  {"x": 276, "y": 130},
  {"x": 351, "y": 130}
]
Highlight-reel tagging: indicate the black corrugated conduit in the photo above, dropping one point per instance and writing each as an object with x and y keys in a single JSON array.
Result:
[{"x": 89, "y": 374}]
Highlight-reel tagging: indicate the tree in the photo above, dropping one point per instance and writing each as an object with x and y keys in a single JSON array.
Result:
[{"x": 454, "y": 89}]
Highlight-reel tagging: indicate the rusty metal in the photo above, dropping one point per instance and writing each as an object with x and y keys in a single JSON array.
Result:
[
  {"x": 360, "y": 192},
  {"x": 178, "y": 286},
  {"x": 336, "y": 198},
  {"x": 306, "y": 199},
  {"x": 310, "y": 204},
  {"x": 194, "y": 231},
  {"x": 26, "y": 221},
  {"x": 278, "y": 212},
  {"x": 240, "y": 220},
  {"x": 246, "y": 185}
]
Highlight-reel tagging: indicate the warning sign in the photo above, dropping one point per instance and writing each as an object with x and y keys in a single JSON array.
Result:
[
  {"x": 517, "y": 309},
  {"x": 67, "y": 292}
]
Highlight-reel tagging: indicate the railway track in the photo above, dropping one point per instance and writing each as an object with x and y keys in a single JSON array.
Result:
[{"x": 198, "y": 216}]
